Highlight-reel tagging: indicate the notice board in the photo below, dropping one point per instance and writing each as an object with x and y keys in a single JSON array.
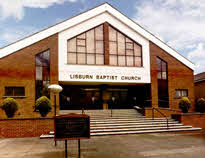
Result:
[{"x": 71, "y": 127}]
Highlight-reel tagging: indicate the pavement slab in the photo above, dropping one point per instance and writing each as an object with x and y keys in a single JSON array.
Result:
[{"x": 153, "y": 145}]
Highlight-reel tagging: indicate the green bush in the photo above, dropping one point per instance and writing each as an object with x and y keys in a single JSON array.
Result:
[
  {"x": 10, "y": 106},
  {"x": 184, "y": 104},
  {"x": 200, "y": 105},
  {"x": 43, "y": 104}
]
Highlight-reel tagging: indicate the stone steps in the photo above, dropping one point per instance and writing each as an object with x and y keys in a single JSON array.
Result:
[
  {"x": 127, "y": 122},
  {"x": 137, "y": 129},
  {"x": 134, "y": 126},
  {"x": 144, "y": 131},
  {"x": 139, "y": 123}
]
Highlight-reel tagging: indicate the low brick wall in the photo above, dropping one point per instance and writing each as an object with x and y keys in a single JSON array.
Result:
[
  {"x": 193, "y": 119},
  {"x": 31, "y": 127},
  {"x": 168, "y": 112}
]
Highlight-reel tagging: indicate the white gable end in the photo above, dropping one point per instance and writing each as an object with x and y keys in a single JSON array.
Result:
[
  {"x": 100, "y": 10},
  {"x": 66, "y": 70}
]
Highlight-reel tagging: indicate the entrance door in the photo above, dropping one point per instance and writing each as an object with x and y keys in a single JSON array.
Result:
[
  {"x": 76, "y": 97},
  {"x": 92, "y": 99}
]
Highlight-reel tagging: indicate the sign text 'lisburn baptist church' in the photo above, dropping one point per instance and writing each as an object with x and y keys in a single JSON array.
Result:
[{"x": 103, "y": 77}]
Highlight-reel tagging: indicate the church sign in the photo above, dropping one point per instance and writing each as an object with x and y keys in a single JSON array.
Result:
[{"x": 72, "y": 127}]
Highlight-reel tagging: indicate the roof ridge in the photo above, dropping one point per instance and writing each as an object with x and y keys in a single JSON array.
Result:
[{"x": 51, "y": 30}]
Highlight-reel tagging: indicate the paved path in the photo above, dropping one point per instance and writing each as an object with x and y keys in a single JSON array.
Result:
[{"x": 158, "y": 145}]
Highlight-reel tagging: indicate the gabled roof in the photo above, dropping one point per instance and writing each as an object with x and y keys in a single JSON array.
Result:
[
  {"x": 85, "y": 16},
  {"x": 199, "y": 77}
]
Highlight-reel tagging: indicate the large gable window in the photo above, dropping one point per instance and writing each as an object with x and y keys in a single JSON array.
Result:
[
  {"x": 87, "y": 48},
  {"x": 123, "y": 51}
]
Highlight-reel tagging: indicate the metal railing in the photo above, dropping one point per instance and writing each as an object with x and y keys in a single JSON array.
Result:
[{"x": 161, "y": 114}]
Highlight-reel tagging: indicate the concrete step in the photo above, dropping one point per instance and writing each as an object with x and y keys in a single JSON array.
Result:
[
  {"x": 143, "y": 131},
  {"x": 134, "y": 126},
  {"x": 98, "y": 111},
  {"x": 137, "y": 129},
  {"x": 46, "y": 136},
  {"x": 118, "y": 112},
  {"x": 108, "y": 116},
  {"x": 130, "y": 123},
  {"x": 153, "y": 130},
  {"x": 93, "y": 120}
]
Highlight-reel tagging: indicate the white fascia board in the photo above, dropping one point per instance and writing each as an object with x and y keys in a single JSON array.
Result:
[
  {"x": 85, "y": 16},
  {"x": 149, "y": 36},
  {"x": 51, "y": 31}
]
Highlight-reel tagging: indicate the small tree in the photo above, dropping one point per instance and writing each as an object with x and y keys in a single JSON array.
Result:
[
  {"x": 43, "y": 104},
  {"x": 200, "y": 105},
  {"x": 184, "y": 104},
  {"x": 10, "y": 106}
]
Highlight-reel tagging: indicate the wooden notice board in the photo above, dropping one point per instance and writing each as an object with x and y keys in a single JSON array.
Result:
[{"x": 72, "y": 127}]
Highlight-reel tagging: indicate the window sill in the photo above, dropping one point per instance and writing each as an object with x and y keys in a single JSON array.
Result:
[
  {"x": 14, "y": 97},
  {"x": 179, "y": 97}
]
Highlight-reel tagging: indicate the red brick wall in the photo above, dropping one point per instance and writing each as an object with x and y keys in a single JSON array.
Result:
[
  {"x": 200, "y": 89},
  {"x": 179, "y": 77},
  {"x": 165, "y": 111},
  {"x": 25, "y": 127},
  {"x": 18, "y": 69},
  {"x": 193, "y": 119}
]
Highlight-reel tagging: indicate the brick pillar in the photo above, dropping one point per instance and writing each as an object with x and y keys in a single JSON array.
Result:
[
  {"x": 154, "y": 84},
  {"x": 106, "y": 42},
  {"x": 154, "y": 90},
  {"x": 54, "y": 76}
]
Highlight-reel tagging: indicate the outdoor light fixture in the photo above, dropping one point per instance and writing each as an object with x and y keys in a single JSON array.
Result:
[{"x": 55, "y": 89}]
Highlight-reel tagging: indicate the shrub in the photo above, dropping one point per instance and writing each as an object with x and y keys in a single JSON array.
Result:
[
  {"x": 43, "y": 104},
  {"x": 184, "y": 104},
  {"x": 200, "y": 105},
  {"x": 10, "y": 106}
]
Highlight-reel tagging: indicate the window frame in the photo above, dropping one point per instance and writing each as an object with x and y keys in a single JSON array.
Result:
[
  {"x": 127, "y": 41},
  {"x": 161, "y": 68},
  {"x": 181, "y": 92},
  {"x": 43, "y": 66},
  {"x": 14, "y": 94},
  {"x": 95, "y": 53}
]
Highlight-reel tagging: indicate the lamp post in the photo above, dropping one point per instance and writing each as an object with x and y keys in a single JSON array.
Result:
[{"x": 55, "y": 89}]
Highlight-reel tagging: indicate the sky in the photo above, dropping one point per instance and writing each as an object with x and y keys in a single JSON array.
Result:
[{"x": 179, "y": 23}]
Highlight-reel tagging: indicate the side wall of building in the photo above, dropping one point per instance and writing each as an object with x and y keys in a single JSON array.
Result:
[
  {"x": 200, "y": 89},
  {"x": 18, "y": 69},
  {"x": 179, "y": 77}
]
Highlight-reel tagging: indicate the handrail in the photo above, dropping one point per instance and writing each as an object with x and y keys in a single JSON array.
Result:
[{"x": 161, "y": 114}]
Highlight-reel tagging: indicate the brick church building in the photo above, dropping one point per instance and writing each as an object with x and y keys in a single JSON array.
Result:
[{"x": 97, "y": 56}]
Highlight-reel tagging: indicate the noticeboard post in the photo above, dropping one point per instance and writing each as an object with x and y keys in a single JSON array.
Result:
[{"x": 71, "y": 127}]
